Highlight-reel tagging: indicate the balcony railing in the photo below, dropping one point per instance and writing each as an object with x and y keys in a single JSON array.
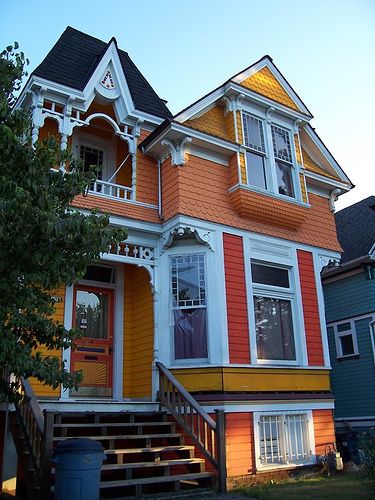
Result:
[{"x": 111, "y": 190}]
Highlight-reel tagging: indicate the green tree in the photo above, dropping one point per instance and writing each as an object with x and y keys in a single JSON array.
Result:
[{"x": 44, "y": 243}]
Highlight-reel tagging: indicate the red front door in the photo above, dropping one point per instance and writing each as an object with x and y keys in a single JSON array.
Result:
[{"x": 93, "y": 316}]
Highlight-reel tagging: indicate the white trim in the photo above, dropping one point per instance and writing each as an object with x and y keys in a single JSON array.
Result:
[
  {"x": 286, "y": 257},
  {"x": 337, "y": 335},
  {"x": 68, "y": 324},
  {"x": 328, "y": 156},
  {"x": 118, "y": 334},
  {"x": 265, "y": 406},
  {"x": 321, "y": 309}
]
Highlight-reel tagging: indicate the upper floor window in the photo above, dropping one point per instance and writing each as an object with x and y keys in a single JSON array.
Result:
[
  {"x": 346, "y": 339},
  {"x": 269, "y": 166},
  {"x": 189, "y": 306},
  {"x": 273, "y": 311}
]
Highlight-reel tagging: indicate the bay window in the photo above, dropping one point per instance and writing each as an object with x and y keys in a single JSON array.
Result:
[
  {"x": 269, "y": 166},
  {"x": 273, "y": 297},
  {"x": 282, "y": 439},
  {"x": 189, "y": 306}
]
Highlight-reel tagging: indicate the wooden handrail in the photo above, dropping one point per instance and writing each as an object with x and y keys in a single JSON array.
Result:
[
  {"x": 207, "y": 434},
  {"x": 36, "y": 428}
]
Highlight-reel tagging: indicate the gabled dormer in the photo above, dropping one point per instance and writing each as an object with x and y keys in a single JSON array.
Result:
[
  {"x": 278, "y": 160},
  {"x": 91, "y": 96}
]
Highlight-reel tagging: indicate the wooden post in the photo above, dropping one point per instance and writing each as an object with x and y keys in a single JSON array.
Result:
[
  {"x": 45, "y": 465},
  {"x": 221, "y": 453}
]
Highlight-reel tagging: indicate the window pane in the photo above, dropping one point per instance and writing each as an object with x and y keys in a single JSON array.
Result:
[
  {"x": 270, "y": 431},
  {"x": 189, "y": 306},
  {"x": 92, "y": 156},
  {"x": 281, "y": 144},
  {"x": 296, "y": 438},
  {"x": 190, "y": 333},
  {"x": 188, "y": 280},
  {"x": 269, "y": 275},
  {"x": 347, "y": 346},
  {"x": 274, "y": 328},
  {"x": 255, "y": 167},
  {"x": 284, "y": 179},
  {"x": 92, "y": 314},
  {"x": 344, "y": 327},
  {"x": 253, "y": 133}
]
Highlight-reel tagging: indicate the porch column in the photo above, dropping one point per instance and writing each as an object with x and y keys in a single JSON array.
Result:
[{"x": 155, "y": 371}]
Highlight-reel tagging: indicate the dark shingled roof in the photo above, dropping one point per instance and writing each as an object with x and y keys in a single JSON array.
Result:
[
  {"x": 356, "y": 229},
  {"x": 73, "y": 59}
]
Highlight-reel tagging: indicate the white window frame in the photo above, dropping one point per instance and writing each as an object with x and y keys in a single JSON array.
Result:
[
  {"x": 277, "y": 292},
  {"x": 270, "y": 159},
  {"x": 338, "y": 335},
  {"x": 185, "y": 253},
  {"x": 308, "y": 438}
]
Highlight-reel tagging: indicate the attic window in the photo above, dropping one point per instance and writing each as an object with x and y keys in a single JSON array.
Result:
[{"x": 107, "y": 80}]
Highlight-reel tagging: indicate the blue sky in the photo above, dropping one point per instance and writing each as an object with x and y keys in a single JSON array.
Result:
[{"x": 324, "y": 48}]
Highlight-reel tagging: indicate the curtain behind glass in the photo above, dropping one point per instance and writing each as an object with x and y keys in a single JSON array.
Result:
[{"x": 274, "y": 328}]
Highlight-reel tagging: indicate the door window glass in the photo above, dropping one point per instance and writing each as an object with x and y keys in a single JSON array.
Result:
[{"x": 92, "y": 314}]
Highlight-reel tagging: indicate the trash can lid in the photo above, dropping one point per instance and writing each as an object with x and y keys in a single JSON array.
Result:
[{"x": 79, "y": 445}]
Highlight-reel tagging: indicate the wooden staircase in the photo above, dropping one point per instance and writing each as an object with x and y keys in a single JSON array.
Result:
[{"x": 145, "y": 454}]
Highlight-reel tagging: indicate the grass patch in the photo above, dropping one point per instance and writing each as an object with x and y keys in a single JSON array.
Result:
[{"x": 342, "y": 486}]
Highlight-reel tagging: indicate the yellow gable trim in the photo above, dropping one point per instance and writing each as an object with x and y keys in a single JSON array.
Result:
[{"x": 263, "y": 82}]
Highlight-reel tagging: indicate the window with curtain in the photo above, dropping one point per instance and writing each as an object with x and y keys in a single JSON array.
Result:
[
  {"x": 272, "y": 299},
  {"x": 189, "y": 306}
]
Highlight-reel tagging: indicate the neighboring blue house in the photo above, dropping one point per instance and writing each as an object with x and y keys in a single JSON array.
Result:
[{"x": 349, "y": 291}]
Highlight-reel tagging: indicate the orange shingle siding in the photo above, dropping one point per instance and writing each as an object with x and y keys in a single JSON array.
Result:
[
  {"x": 259, "y": 207},
  {"x": 309, "y": 164},
  {"x": 239, "y": 433},
  {"x": 200, "y": 189},
  {"x": 263, "y": 82},
  {"x": 114, "y": 207},
  {"x": 324, "y": 430}
]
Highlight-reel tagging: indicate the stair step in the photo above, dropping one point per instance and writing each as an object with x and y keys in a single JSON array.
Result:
[
  {"x": 152, "y": 449},
  {"x": 113, "y": 424},
  {"x": 162, "y": 463},
  {"x": 153, "y": 480},
  {"x": 124, "y": 436}
]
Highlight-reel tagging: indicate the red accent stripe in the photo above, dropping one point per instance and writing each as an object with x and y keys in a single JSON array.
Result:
[
  {"x": 310, "y": 308},
  {"x": 235, "y": 284}
]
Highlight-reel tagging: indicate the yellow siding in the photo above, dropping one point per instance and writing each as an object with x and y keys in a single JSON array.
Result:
[
  {"x": 263, "y": 82},
  {"x": 239, "y": 127},
  {"x": 297, "y": 148},
  {"x": 138, "y": 333},
  {"x": 252, "y": 379},
  {"x": 229, "y": 123},
  {"x": 212, "y": 122},
  {"x": 243, "y": 168},
  {"x": 45, "y": 390},
  {"x": 309, "y": 164},
  {"x": 303, "y": 187}
]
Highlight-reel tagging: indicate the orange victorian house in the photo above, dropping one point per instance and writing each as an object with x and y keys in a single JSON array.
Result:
[{"x": 212, "y": 311}]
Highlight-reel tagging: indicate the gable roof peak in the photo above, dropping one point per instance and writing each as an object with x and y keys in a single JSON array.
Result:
[{"x": 74, "y": 58}]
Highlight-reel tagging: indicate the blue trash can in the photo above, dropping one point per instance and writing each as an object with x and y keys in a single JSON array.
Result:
[{"x": 77, "y": 469}]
